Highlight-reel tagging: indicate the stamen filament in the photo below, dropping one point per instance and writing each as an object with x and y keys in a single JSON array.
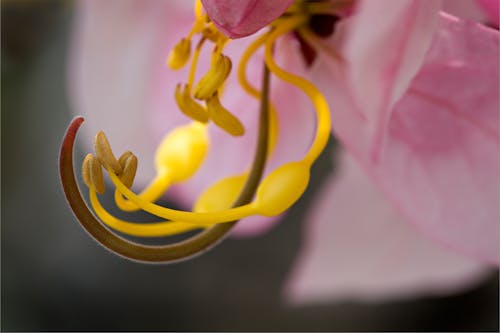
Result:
[
  {"x": 194, "y": 63},
  {"x": 320, "y": 105},
  {"x": 156, "y": 229},
  {"x": 151, "y": 193},
  {"x": 207, "y": 218},
  {"x": 198, "y": 9},
  {"x": 252, "y": 91},
  {"x": 249, "y": 52}
]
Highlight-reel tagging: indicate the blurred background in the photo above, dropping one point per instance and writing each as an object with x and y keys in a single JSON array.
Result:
[{"x": 54, "y": 277}]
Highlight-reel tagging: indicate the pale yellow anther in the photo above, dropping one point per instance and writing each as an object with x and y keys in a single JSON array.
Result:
[
  {"x": 96, "y": 177},
  {"x": 179, "y": 55},
  {"x": 188, "y": 105},
  {"x": 105, "y": 154},
  {"x": 221, "y": 195},
  {"x": 86, "y": 170},
  {"x": 282, "y": 188},
  {"x": 123, "y": 158},
  {"x": 223, "y": 118},
  {"x": 220, "y": 67},
  {"x": 128, "y": 161},
  {"x": 182, "y": 151}
]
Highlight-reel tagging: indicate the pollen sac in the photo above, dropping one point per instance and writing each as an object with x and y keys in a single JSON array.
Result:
[
  {"x": 182, "y": 151},
  {"x": 282, "y": 188},
  {"x": 128, "y": 162},
  {"x": 223, "y": 118},
  {"x": 179, "y": 55},
  {"x": 92, "y": 173},
  {"x": 86, "y": 170},
  {"x": 208, "y": 85},
  {"x": 188, "y": 105},
  {"x": 105, "y": 154}
]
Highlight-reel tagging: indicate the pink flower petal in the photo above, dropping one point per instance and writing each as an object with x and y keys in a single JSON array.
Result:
[
  {"x": 491, "y": 9},
  {"x": 465, "y": 9},
  {"x": 441, "y": 162},
  {"x": 357, "y": 247},
  {"x": 240, "y": 18},
  {"x": 119, "y": 82},
  {"x": 117, "y": 58},
  {"x": 384, "y": 49}
]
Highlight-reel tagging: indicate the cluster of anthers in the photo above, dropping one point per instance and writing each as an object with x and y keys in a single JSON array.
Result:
[{"x": 182, "y": 151}]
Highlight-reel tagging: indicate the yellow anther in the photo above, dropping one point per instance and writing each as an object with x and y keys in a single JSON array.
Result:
[
  {"x": 123, "y": 158},
  {"x": 221, "y": 195},
  {"x": 128, "y": 162},
  {"x": 188, "y": 105},
  {"x": 86, "y": 170},
  {"x": 223, "y": 118},
  {"x": 179, "y": 55},
  {"x": 105, "y": 154},
  {"x": 95, "y": 171},
  {"x": 182, "y": 151},
  {"x": 282, "y": 188},
  {"x": 220, "y": 67}
]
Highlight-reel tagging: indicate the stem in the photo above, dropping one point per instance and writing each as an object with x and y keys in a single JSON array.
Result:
[{"x": 170, "y": 253}]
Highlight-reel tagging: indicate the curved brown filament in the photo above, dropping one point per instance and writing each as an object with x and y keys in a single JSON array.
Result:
[{"x": 170, "y": 253}]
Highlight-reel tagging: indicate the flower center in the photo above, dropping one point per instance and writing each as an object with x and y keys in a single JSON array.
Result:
[{"x": 183, "y": 151}]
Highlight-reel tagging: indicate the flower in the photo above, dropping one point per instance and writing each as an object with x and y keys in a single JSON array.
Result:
[{"x": 427, "y": 140}]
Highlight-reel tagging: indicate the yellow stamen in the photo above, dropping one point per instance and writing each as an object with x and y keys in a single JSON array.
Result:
[
  {"x": 178, "y": 157},
  {"x": 105, "y": 154},
  {"x": 188, "y": 105},
  {"x": 220, "y": 195},
  {"x": 198, "y": 10},
  {"x": 208, "y": 218},
  {"x": 86, "y": 170},
  {"x": 156, "y": 229},
  {"x": 223, "y": 118},
  {"x": 194, "y": 62},
  {"x": 182, "y": 151},
  {"x": 320, "y": 105},
  {"x": 252, "y": 91},
  {"x": 155, "y": 189},
  {"x": 179, "y": 55},
  {"x": 128, "y": 162},
  {"x": 95, "y": 172},
  {"x": 220, "y": 68}
]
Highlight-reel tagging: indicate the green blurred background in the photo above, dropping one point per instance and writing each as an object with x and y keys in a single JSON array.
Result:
[{"x": 54, "y": 277}]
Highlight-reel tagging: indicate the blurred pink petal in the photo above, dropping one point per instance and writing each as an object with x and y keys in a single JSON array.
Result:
[
  {"x": 357, "y": 247},
  {"x": 117, "y": 58},
  {"x": 384, "y": 49},
  {"x": 120, "y": 84},
  {"x": 465, "y": 9},
  {"x": 240, "y": 18},
  {"x": 440, "y": 166},
  {"x": 491, "y": 7}
]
